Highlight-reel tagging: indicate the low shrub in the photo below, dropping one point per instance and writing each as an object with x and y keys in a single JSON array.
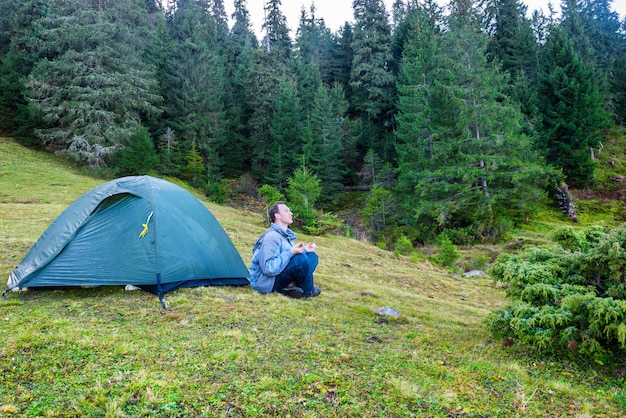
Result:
[{"x": 566, "y": 298}]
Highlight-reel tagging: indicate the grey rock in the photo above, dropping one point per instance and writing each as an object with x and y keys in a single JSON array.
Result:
[{"x": 387, "y": 311}]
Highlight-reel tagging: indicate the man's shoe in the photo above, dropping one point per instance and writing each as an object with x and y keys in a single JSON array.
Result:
[
  {"x": 292, "y": 292},
  {"x": 316, "y": 292}
]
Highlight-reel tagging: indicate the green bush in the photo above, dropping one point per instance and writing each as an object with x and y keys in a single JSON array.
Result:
[
  {"x": 448, "y": 253},
  {"x": 566, "y": 298},
  {"x": 270, "y": 193},
  {"x": 568, "y": 238},
  {"x": 303, "y": 192},
  {"x": 324, "y": 223},
  {"x": 404, "y": 246},
  {"x": 138, "y": 157}
]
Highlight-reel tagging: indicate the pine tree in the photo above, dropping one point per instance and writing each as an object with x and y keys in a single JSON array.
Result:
[
  {"x": 417, "y": 119},
  {"x": 218, "y": 12},
  {"x": 572, "y": 109},
  {"x": 285, "y": 135},
  {"x": 239, "y": 60},
  {"x": 463, "y": 161},
  {"x": 308, "y": 80},
  {"x": 19, "y": 51},
  {"x": 314, "y": 44},
  {"x": 429, "y": 10},
  {"x": 265, "y": 81},
  {"x": 513, "y": 43},
  {"x": 327, "y": 120},
  {"x": 607, "y": 44},
  {"x": 194, "y": 169},
  {"x": 340, "y": 60},
  {"x": 198, "y": 108},
  {"x": 514, "y": 46},
  {"x": 370, "y": 79},
  {"x": 93, "y": 88},
  {"x": 138, "y": 158},
  {"x": 241, "y": 31},
  {"x": 303, "y": 192},
  {"x": 277, "y": 41}
]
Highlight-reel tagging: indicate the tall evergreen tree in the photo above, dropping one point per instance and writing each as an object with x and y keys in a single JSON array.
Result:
[
  {"x": 429, "y": 10},
  {"x": 513, "y": 43},
  {"x": 19, "y": 51},
  {"x": 7, "y": 8},
  {"x": 239, "y": 58},
  {"x": 93, "y": 87},
  {"x": 462, "y": 158},
  {"x": 573, "y": 109},
  {"x": 199, "y": 70},
  {"x": 218, "y": 12},
  {"x": 265, "y": 81},
  {"x": 514, "y": 46},
  {"x": 608, "y": 46},
  {"x": 314, "y": 44},
  {"x": 241, "y": 31},
  {"x": 308, "y": 80},
  {"x": 285, "y": 135},
  {"x": 277, "y": 41},
  {"x": 327, "y": 122},
  {"x": 399, "y": 10},
  {"x": 370, "y": 78},
  {"x": 341, "y": 59},
  {"x": 618, "y": 80}
]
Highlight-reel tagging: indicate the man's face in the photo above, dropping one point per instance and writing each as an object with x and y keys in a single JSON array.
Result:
[{"x": 284, "y": 215}]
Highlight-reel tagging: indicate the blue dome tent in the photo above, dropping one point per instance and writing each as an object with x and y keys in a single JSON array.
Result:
[{"x": 137, "y": 230}]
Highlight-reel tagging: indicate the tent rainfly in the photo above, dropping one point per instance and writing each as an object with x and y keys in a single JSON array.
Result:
[{"x": 136, "y": 230}]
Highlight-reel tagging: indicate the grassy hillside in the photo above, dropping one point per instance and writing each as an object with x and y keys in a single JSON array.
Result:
[{"x": 232, "y": 352}]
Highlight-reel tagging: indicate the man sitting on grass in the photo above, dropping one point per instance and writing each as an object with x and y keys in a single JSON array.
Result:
[{"x": 280, "y": 265}]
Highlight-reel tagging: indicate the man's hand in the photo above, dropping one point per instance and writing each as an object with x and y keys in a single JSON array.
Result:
[
  {"x": 297, "y": 248},
  {"x": 300, "y": 247}
]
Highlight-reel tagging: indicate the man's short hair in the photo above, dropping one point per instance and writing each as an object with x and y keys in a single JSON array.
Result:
[{"x": 274, "y": 210}]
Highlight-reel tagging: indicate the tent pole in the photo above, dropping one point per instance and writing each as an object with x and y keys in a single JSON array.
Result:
[{"x": 159, "y": 291}]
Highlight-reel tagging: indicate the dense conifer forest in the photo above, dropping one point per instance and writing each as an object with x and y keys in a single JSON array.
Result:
[{"x": 421, "y": 120}]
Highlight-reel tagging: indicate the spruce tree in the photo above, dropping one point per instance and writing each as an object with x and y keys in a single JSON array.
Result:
[
  {"x": 20, "y": 29},
  {"x": 197, "y": 67},
  {"x": 328, "y": 131},
  {"x": 607, "y": 43},
  {"x": 341, "y": 59},
  {"x": 463, "y": 161},
  {"x": 314, "y": 44},
  {"x": 239, "y": 59},
  {"x": 513, "y": 43},
  {"x": 93, "y": 88},
  {"x": 371, "y": 81},
  {"x": 303, "y": 191},
  {"x": 265, "y": 80},
  {"x": 572, "y": 107},
  {"x": 286, "y": 144},
  {"x": 277, "y": 41},
  {"x": 308, "y": 80},
  {"x": 217, "y": 10},
  {"x": 514, "y": 46},
  {"x": 137, "y": 158}
]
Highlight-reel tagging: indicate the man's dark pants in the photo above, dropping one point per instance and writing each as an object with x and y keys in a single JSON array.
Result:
[{"x": 299, "y": 271}]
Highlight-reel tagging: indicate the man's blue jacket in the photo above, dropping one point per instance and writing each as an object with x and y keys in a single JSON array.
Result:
[{"x": 270, "y": 256}]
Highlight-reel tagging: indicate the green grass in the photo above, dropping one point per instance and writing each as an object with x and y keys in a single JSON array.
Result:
[{"x": 107, "y": 352}]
